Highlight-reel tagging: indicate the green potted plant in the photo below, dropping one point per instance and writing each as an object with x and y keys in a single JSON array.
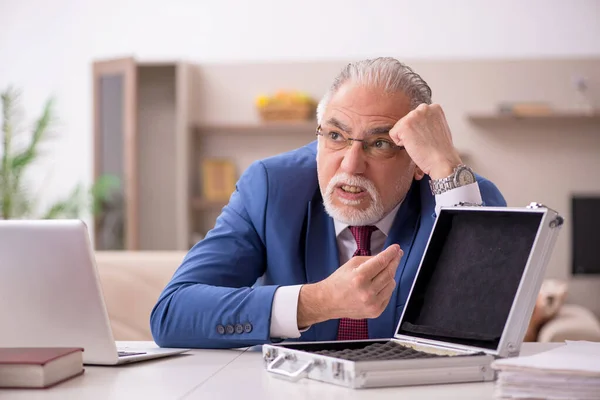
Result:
[{"x": 20, "y": 150}]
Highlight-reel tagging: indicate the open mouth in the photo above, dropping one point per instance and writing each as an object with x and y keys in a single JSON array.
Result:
[
  {"x": 351, "y": 193},
  {"x": 351, "y": 189}
]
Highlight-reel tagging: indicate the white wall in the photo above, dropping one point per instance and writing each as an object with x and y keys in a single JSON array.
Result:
[{"x": 46, "y": 48}]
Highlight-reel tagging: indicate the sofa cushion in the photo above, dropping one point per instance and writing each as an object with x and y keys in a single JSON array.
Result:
[
  {"x": 572, "y": 322},
  {"x": 131, "y": 283}
]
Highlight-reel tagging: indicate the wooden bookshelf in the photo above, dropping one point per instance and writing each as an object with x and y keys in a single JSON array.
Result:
[
  {"x": 262, "y": 128},
  {"x": 141, "y": 114},
  {"x": 563, "y": 116},
  {"x": 240, "y": 143}
]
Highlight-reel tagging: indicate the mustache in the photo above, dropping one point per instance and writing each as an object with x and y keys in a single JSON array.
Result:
[{"x": 344, "y": 178}]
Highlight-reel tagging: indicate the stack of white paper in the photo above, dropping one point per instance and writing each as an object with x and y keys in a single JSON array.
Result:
[{"x": 567, "y": 372}]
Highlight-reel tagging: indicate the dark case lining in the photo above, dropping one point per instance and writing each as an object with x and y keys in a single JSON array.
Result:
[
  {"x": 469, "y": 276},
  {"x": 333, "y": 346},
  {"x": 368, "y": 351}
]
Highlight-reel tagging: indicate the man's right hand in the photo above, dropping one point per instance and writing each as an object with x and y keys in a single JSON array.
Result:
[{"x": 359, "y": 289}]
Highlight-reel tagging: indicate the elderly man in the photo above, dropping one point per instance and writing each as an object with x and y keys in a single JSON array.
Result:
[{"x": 323, "y": 242}]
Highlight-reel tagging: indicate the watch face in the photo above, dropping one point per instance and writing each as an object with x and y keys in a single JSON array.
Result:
[{"x": 465, "y": 177}]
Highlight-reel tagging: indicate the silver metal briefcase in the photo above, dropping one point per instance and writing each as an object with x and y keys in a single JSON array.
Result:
[{"x": 470, "y": 303}]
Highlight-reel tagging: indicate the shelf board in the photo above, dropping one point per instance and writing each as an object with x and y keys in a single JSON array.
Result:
[
  {"x": 202, "y": 204},
  {"x": 304, "y": 127},
  {"x": 567, "y": 116}
]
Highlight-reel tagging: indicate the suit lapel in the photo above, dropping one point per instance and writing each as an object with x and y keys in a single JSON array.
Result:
[
  {"x": 403, "y": 232},
  {"x": 321, "y": 257}
]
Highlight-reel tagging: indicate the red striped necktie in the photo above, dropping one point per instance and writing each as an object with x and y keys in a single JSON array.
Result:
[{"x": 357, "y": 329}]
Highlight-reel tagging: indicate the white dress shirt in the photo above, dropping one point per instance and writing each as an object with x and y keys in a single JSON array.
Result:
[{"x": 284, "y": 313}]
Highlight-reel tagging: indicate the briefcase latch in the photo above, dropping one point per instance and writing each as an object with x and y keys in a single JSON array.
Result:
[{"x": 534, "y": 205}]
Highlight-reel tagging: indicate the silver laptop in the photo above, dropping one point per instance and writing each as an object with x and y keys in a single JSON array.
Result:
[{"x": 51, "y": 294}]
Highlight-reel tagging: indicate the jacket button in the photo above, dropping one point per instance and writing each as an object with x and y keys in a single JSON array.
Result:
[
  {"x": 229, "y": 329},
  {"x": 220, "y": 329},
  {"x": 239, "y": 329},
  {"x": 247, "y": 327}
]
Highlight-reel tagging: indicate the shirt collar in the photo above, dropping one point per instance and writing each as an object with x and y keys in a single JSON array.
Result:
[{"x": 384, "y": 225}]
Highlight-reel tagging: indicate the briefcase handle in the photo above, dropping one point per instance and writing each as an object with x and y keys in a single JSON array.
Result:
[{"x": 294, "y": 376}]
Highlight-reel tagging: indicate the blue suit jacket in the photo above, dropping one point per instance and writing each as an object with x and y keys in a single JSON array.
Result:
[{"x": 275, "y": 232}]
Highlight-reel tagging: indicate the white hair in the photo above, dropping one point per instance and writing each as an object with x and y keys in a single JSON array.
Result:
[{"x": 386, "y": 73}]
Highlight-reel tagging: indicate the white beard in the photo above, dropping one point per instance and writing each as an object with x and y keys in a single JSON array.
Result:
[{"x": 348, "y": 214}]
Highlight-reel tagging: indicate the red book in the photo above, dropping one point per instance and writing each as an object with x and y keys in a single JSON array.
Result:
[{"x": 37, "y": 367}]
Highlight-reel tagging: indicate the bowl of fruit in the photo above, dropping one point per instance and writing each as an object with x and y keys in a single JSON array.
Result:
[{"x": 286, "y": 106}]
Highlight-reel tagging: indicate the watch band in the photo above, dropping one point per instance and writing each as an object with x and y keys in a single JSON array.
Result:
[{"x": 439, "y": 186}]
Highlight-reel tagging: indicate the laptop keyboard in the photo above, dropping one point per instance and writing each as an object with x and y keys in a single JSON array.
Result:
[{"x": 130, "y": 353}]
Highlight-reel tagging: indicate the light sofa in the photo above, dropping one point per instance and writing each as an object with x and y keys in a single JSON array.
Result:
[
  {"x": 132, "y": 282},
  {"x": 573, "y": 322}
]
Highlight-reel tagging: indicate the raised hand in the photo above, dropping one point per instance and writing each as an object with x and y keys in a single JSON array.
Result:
[
  {"x": 361, "y": 288},
  {"x": 426, "y": 136}
]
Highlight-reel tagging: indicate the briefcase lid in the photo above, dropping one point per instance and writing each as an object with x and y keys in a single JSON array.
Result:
[{"x": 467, "y": 287}]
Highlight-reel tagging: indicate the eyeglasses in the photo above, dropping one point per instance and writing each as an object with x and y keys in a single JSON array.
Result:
[{"x": 376, "y": 146}]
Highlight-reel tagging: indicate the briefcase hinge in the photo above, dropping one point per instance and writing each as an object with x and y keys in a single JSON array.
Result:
[
  {"x": 556, "y": 222},
  {"x": 428, "y": 344}
]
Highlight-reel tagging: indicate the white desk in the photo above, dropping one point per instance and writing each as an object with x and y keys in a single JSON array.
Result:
[
  {"x": 162, "y": 378},
  {"x": 230, "y": 374},
  {"x": 251, "y": 380}
]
